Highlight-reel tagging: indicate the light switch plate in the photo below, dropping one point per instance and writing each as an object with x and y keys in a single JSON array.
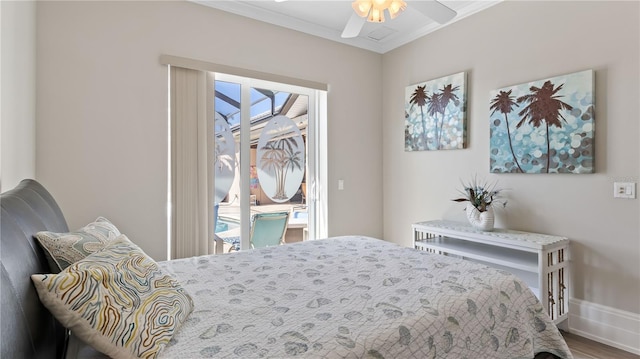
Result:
[{"x": 624, "y": 190}]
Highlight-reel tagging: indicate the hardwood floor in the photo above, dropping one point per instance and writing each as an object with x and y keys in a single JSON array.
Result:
[{"x": 583, "y": 348}]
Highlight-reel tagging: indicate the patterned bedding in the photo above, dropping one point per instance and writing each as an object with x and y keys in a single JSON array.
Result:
[{"x": 356, "y": 297}]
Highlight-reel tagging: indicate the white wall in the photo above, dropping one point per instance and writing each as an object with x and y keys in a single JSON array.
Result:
[
  {"x": 508, "y": 44},
  {"x": 18, "y": 92},
  {"x": 102, "y": 107}
]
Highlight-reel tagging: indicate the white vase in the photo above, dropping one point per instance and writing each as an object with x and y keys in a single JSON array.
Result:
[{"x": 481, "y": 220}]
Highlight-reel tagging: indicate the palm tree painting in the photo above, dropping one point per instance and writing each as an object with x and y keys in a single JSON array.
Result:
[
  {"x": 504, "y": 103},
  {"x": 544, "y": 126},
  {"x": 280, "y": 159},
  {"x": 435, "y": 114}
]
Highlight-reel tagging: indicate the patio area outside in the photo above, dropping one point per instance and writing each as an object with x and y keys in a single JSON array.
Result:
[
  {"x": 277, "y": 148},
  {"x": 228, "y": 221}
]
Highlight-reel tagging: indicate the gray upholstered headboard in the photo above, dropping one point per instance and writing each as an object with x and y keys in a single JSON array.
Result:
[{"x": 28, "y": 329}]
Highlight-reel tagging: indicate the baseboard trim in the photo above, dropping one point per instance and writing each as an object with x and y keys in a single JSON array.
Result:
[{"x": 617, "y": 328}]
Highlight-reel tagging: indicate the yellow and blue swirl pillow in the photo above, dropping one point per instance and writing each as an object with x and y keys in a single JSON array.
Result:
[{"x": 117, "y": 300}]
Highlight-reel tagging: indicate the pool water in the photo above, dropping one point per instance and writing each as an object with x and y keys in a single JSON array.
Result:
[
  {"x": 300, "y": 214},
  {"x": 221, "y": 227},
  {"x": 225, "y": 224}
]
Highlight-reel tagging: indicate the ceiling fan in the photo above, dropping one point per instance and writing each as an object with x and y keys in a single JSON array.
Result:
[{"x": 373, "y": 11}]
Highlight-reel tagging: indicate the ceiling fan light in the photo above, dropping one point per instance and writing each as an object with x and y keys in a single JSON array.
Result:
[
  {"x": 381, "y": 4},
  {"x": 396, "y": 7},
  {"x": 373, "y": 10},
  {"x": 376, "y": 15},
  {"x": 362, "y": 7}
]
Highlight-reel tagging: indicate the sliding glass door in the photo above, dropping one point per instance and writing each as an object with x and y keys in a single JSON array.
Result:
[{"x": 265, "y": 157}]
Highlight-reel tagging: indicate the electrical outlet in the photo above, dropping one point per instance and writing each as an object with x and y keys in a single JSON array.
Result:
[{"x": 624, "y": 190}]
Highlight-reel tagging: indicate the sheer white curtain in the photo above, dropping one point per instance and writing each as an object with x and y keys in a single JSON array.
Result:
[{"x": 192, "y": 204}]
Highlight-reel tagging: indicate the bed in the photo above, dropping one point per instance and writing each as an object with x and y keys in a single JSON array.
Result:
[{"x": 341, "y": 297}]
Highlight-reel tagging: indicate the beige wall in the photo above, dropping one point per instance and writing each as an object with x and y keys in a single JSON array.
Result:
[
  {"x": 101, "y": 120},
  {"x": 18, "y": 92},
  {"x": 102, "y": 107},
  {"x": 512, "y": 43}
]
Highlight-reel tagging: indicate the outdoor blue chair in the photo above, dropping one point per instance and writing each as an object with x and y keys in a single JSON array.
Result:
[{"x": 268, "y": 229}]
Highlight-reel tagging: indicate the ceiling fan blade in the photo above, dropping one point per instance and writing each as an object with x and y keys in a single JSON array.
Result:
[
  {"x": 353, "y": 27},
  {"x": 435, "y": 10}
]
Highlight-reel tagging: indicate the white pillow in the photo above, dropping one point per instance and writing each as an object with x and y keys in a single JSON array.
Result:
[{"x": 63, "y": 249}]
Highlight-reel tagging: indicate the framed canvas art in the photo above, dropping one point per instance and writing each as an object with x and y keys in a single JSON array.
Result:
[
  {"x": 544, "y": 126},
  {"x": 435, "y": 114}
]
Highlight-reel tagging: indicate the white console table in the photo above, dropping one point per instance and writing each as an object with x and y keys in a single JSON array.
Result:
[{"x": 540, "y": 260}]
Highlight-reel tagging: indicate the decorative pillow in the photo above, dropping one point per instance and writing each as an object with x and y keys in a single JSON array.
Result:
[
  {"x": 117, "y": 300},
  {"x": 63, "y": 249}
]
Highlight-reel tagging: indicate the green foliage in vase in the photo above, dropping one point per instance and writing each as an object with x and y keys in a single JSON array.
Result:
[{"x": 481, "y": 195}]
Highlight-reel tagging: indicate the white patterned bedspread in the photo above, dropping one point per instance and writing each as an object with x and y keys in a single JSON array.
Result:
[{"x": 356, "y": 297}]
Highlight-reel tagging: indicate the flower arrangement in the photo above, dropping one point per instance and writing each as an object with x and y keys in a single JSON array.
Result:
[{"x": 481, "y": 195}]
